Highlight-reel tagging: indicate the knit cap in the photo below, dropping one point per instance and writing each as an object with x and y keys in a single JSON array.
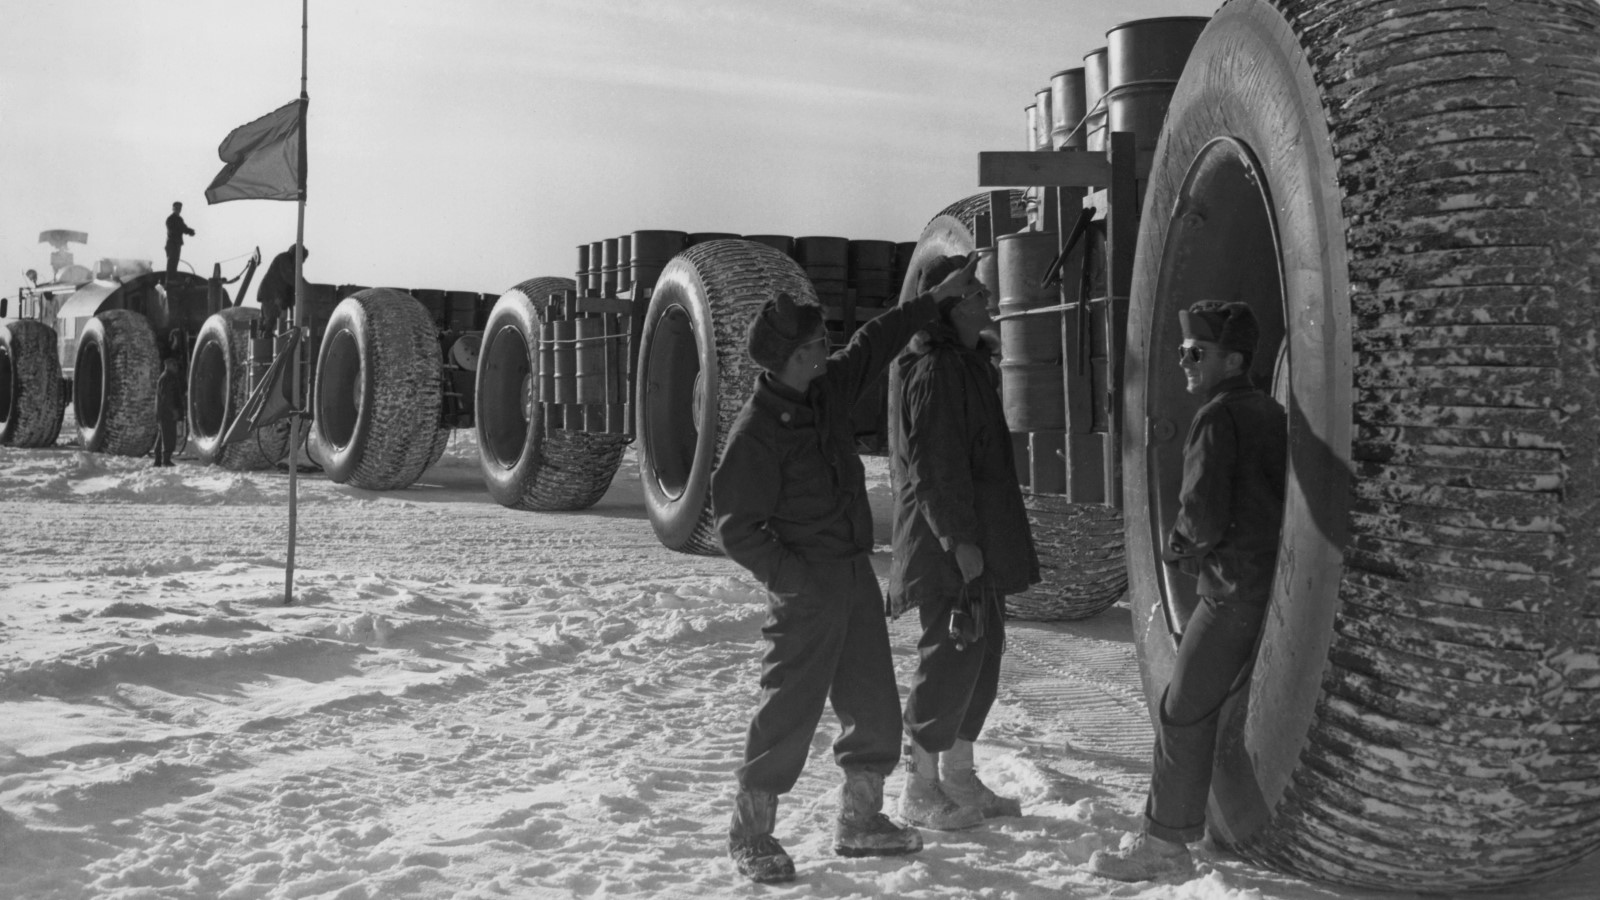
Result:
[{"x": 779, "y": 330}]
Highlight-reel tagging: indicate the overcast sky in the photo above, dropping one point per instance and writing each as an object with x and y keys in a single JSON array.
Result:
[{"x": 473, "y": 143}]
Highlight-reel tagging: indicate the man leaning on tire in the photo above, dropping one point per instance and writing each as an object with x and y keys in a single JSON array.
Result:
[
  {"x": 790, "y": 500},
  {"x": 1226, "y": 534}
]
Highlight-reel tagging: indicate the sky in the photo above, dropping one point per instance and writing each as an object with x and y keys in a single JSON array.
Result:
[{"x": 472, "y": 144}]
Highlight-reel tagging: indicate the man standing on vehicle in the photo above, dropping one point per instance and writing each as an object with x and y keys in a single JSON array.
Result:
[
  {"x": 791, "y": 506},
  {"x": 1226, "y": 533},
  {"x": 961, "y": 543},
  {"x": 176, "y": 229}
]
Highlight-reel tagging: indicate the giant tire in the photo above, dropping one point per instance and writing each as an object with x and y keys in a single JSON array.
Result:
[
  {"x": 219, "y": 385},
  {"x": 114, "y": 384},
  {"x": 378, "y": 394},
  {"x": 1409, "y": 191},
  {"x": 1080, "y": 545},
  {"x": 1081, "y": 561},
  {"x": 695, "y": 375},
  {"x": 30, "y": 385},
  {"x": 524, "y": 466}
]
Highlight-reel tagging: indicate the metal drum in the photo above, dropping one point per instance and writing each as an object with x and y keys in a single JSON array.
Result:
[
  {"x": 624, "y": 263},
  {"x": 700, "y": 237},
  {"x": 608, "y": 266},
  {"x": 593, "y": 283},
  {"x": 583, "y": 266},
  {"x": 1031, "y": 141},
  {"x": 1032, "y": 390},
  {"x": 826, "y": 258},
  {"x": 825, "y": 261},
  {"x": 1145, "y": 59},
  {"x": 652, "y": 250},
  {"x": 1094, "y": 90},
  {"x": 1045, "y": 119},
  {"x": 1067, "y": 109},
  {"x": 590, "y": 360},
  {"x": 869, "y": 271},
  {"x": 782, "y": 243}
]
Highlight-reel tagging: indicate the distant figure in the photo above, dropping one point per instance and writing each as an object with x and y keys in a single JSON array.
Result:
[
  {"x": 169, "y": 399},
  {"x": 177, "y": 347},
  {"x": 276, "y": 293},
  {"x": 176, "y": 229}
]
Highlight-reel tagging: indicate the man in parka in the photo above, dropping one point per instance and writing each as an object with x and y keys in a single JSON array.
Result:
[
  {"x": 169, "y": 399},
  {"x": 791, "y": 506},
  {"x": 961, "y": 543},
  {"x": 1230, "y": 511},
  {"x": 276, "y": 293}
]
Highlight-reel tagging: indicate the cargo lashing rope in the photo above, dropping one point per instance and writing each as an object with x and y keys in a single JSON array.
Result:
[{"x": 1098, "y": 104}]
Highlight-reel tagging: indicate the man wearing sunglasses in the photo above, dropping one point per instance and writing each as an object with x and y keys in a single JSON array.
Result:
[
  {"x": 790, "y": 499},
  {"x": 1226, "y": 534}
]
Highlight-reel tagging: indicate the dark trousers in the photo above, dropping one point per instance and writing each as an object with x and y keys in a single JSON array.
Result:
[
  {"x": 172, "y": 259},
  {"x": 953, "y": 689},
  {"x": 827, "y": 643},
  {"x": 166, "y": 436},
  {"x": 269, "y": 318},
  {"x": 1216, "y": 647}
]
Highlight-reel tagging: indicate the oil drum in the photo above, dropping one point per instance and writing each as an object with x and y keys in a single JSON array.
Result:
[
  {"x": 782, "y": 243},
  {"x": 869, "y": 271},
  {"x": 652, "y": 250},
  {"x": 1033, "y": 394},
  {"x": 1067, "y": 109},
  {"x": 1145, "y": 59},
  {"x": 1094, "y": 91}
]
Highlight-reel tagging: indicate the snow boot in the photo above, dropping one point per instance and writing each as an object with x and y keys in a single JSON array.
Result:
[
  {"x": 959, "y": 780},
  {"x": 863, "y": 829},
  {"x": 923, "y": 801},
  {"x": 1146, "y": 859},
  {"x": 754, "y": 851}
]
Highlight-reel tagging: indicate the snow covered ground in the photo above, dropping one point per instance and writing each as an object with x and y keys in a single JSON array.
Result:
[{"x": 471, "y": 702}]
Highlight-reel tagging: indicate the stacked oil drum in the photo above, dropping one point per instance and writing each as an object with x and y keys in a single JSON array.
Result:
[
  {"x": 588, "y": 360},
  {"x": 1059, "y": 323}
]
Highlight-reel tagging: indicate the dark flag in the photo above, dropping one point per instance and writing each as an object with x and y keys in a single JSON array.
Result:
[{"x": 266, "y": 159}]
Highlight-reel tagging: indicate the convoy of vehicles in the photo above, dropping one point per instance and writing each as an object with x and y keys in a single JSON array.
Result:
[{"x": 1407, "y": 195}]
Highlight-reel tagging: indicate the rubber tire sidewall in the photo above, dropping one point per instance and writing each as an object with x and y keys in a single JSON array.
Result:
[
  {"x": 718, "y": 320},
  {"x": 130, "y": 364},
  {"x": 358, "y": 318},
  {"x": 675, "y": 519},
  {"x": 228, "y": 330},
  {"x": 36, "y": 399},
  {"x": 514, "y": 317},
  {"x": 1247, "y": 79}
]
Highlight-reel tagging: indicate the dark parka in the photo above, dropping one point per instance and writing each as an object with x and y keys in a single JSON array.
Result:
[
  {"x": 790, "y": 487},
  {"x": 1231, "y": 504},
  {"x": 954, "y": 474}
]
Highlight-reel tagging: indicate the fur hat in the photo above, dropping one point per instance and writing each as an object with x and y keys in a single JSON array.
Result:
[
  {"x": 1230, "y": 324},
  {"x": 938, "y": 271},
  {"x": 779, "y": 330}
]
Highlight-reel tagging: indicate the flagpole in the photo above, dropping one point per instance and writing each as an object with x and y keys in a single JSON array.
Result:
[{"x": 295, "y": 318}]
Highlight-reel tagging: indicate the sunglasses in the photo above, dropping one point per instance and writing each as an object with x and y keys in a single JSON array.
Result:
[{"x": 1191, "y": 354}]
